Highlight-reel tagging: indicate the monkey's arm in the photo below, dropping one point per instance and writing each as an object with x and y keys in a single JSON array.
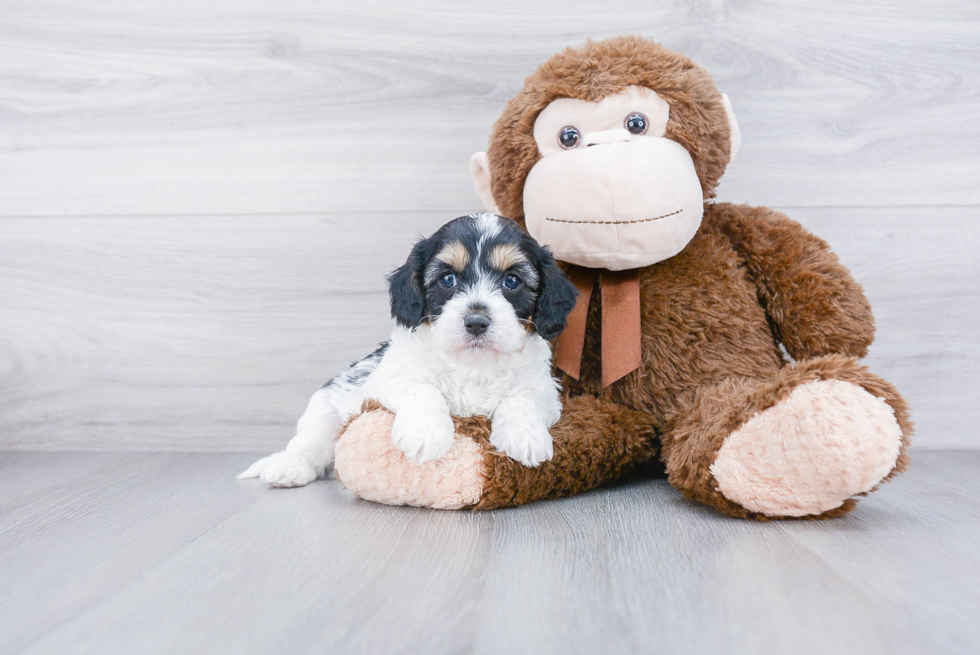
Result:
[{"x": 813, "y": 303}]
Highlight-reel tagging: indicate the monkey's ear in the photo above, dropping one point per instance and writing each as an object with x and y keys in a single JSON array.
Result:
[
  {"x": 405, "y": 288},
  {"x": 736, "y": 138},
  {"x": 556, "y": 298},
  {"x": 480, "y": 172}
]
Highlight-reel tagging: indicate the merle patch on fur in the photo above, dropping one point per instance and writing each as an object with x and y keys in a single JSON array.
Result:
[{"x": 354, "y": 376}]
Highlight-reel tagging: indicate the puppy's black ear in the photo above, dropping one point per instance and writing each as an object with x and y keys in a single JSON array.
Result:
[
  {"x": 405, "y": 288},
  {"x": 556, "y": 299}
]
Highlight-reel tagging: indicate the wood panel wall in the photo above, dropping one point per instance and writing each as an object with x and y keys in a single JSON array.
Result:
[{"x": 199, "y": 199}]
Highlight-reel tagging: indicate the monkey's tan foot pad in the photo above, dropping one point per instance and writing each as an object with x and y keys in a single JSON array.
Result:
[
  {"x": 827, "y": 441},
  {"x": 595, "y": 442}
]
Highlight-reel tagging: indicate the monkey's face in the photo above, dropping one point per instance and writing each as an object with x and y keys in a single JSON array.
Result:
[
  {"x": 608, "y": 152},
  {"x": 611, "y": 190}
]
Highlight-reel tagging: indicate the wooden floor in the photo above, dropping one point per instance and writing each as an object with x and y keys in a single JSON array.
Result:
[{"x": 152, "y": 553}]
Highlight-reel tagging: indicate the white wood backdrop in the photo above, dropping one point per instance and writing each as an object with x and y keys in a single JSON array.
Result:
[{"x": 199, "y": 198}]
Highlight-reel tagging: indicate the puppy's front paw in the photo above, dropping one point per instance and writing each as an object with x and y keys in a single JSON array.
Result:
[
  {"x": 423, "y": 436},
  {"x": 282, "y": 469},
  {"x": 525, "y": 440}
]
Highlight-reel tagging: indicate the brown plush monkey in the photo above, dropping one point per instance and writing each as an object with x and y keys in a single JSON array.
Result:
[{"x": 608, "y": 155}]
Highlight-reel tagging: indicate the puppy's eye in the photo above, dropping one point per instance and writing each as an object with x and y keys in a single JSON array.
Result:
[
  {"x": 512, "y": 282},
  {"x": 447, "y": 281},
  {"x": 569, "y": 137},
  {"x": 636, "y": 123}
]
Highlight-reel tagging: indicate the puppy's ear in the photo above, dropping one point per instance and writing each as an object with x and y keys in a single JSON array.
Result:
[
  {"x": 556, "y": 299},
  {"x": 405, "y": 288}
]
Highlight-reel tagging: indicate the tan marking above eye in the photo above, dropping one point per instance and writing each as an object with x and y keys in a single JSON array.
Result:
[
  {"x": 505, "y": 256},
  {"x": 455, "y": 255}
]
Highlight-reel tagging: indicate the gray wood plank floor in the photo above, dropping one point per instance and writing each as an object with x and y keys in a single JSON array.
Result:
[{"x": 155, "y": 553}]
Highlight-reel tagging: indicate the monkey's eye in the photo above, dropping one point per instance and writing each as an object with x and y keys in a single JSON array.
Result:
[
  {"x": 447, "y": 281},
  {"x": 636, "y": 123},
  {"x": 569, "y": 137},
  {"x": 512, "y": 282}
]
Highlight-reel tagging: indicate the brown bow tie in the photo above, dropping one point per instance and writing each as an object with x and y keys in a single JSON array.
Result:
[{"x": 620, "y": 323}]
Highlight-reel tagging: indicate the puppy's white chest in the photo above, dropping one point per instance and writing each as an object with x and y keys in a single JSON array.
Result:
[{"x": 475, "y": 391}]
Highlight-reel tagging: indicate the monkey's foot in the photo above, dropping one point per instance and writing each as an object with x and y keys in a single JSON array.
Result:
[
  {"x": 827, "y": 441},
  {"x": 369, "y": 463}
]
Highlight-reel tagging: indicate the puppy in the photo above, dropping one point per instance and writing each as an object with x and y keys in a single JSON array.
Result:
[{"x": 474, "y": 306}]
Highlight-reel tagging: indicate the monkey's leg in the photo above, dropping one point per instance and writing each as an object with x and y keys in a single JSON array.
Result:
[
  {"x": 595, "y": 442},
  {"x": 802, "y": 444}
]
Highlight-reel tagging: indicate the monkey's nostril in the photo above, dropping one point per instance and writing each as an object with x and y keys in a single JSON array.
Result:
[{"x": 476, "y": 324}]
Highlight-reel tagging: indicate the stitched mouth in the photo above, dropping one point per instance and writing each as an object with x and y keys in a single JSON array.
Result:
[{"x": 639, "y": 220}]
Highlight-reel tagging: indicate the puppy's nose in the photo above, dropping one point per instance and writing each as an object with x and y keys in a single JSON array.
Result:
[{"x": 476, "y": 324}]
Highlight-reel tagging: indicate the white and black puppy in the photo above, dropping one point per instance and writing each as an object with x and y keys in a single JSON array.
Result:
[{"x": 473, "y": 306}]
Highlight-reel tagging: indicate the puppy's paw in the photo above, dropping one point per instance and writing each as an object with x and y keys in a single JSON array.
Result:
[
  {"x": 423, "y": 436},
  {"x": 526, "y": 440},
  {"x": 282, "y": 469}
]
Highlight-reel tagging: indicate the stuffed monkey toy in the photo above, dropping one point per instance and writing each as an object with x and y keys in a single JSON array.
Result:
[{"x": 610, "y": 155}]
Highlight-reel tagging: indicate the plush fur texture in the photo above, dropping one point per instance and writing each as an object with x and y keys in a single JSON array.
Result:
[
  {"x": 708, "y": 416},
  {"x": 800, "y": 283},
  {"x": 777, "y": 462},
  {"x": 595, "y": 443},
  {"x": 713, "y": 318},
  {"x": 600, "y": 68},
  {"x": 370, "y": 465}
]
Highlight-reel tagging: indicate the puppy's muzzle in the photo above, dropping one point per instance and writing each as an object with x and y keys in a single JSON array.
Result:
[{"x": 476, "y": 323}]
